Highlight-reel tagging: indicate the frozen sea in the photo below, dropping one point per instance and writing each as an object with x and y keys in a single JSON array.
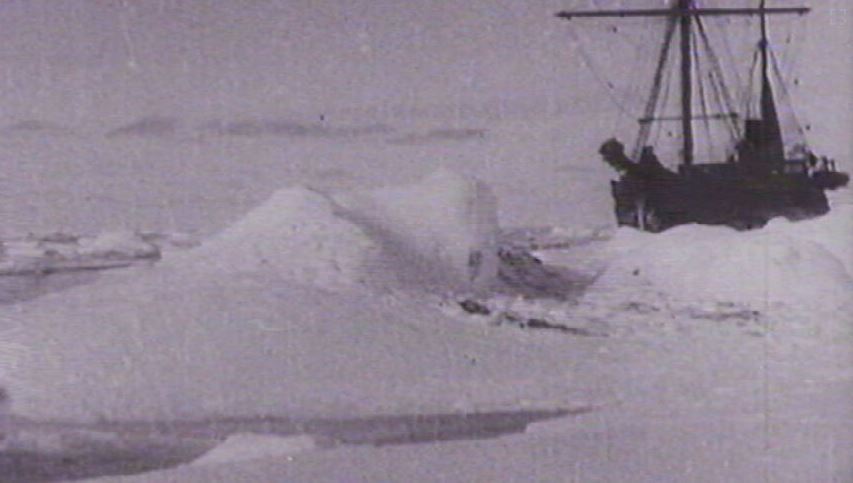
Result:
[{"x": 274, "y": 321}]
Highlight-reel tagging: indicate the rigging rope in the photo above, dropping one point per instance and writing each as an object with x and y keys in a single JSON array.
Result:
[
  {"x": 703, "y": 103},
  {"x": 725, "y": 98},
  {"x": 609, "y": 86},
  {"x": 667, "y": 87},
  {"x": 652, "y": 104},
  {"x": 748, "y": 94},
  {"x": 786, "y": 94},
  {"x": 791, "y": 54}
]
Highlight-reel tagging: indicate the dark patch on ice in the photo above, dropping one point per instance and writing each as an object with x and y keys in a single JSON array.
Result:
[
  {"x": 536, "y": 323},
  {"x": 390, "y": 430},
  {"x": 741, "y": 316},
  {"x": 32, "y": 126},
  {"x": 521, "y": 273},
  {"x": 474, "y": 307},
  {"x": 289, "y": 128},
  {"x": 640, "y": 307},
  {"x": 30, "y": 467},
  {"x": 152, "y": 126},
  {"x": 24, "y": 287},
  {"x": 744, "y": 318},
  {"x": 440, "y": 135},
  {"x": 132, "y": 448},
  {"x": 544, "y": 324}
]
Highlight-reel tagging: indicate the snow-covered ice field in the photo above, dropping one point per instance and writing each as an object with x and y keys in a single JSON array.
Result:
[
  {"x": 325, "y": 300},
  {"x": 405, "y": 294}
]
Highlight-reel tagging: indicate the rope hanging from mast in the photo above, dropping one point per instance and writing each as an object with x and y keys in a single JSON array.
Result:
[
  {"x": 703, "y": 100},
  {"x": 718, "y": 84},
  {"x": 786, "y": 94},
  {"x": 609, "y": 87},
  {"x": 654, "y": 97}
]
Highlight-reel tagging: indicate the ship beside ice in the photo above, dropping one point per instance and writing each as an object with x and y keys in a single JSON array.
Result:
[{"x": 763, "y": 173}]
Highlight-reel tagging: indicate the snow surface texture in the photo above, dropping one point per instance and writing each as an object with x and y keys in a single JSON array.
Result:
[
  {"x": 278, "y": 316},
  {"x": 801, "y": 266},
  {"x": 160, "y": 344},
  {"x": 437, "y": 234}
]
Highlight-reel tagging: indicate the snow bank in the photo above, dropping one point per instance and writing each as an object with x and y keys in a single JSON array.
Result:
[
  {"x": 439, "y": 233},
  {"x": 771, "y": 268},
  {"x": 834, "y": 232}
]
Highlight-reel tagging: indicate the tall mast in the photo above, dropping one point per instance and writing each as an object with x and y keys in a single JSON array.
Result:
[
  {"x": 685, "y": 12},
  {"x": 764, "y": 45},
  {"x": 686, "y": 81}
]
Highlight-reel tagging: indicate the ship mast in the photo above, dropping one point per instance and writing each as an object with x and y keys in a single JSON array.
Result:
[
  {"x": 685, "y": 12},
  {"x": 685, "y": 21},
  {"x": 764, "y": 45}
]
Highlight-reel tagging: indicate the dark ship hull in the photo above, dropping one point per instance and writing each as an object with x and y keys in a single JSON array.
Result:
[
  {"x": 743, "y": 195},
  {"x": 740, "y": 202}
]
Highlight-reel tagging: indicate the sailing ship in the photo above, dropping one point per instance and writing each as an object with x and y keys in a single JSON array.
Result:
[{"x": 757, "y": 180}]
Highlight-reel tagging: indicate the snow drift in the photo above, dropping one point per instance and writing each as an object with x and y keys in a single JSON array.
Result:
[
  {"x": 296, "y": 234},
  {"x": 437, "y": 234},
  {"x": 787, "y": 265}
]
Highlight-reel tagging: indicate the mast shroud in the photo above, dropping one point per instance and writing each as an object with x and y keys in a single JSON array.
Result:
[{"x": 684, "y": 11}]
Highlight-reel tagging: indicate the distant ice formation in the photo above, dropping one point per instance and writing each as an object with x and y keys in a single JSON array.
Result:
[{"x": 59, "y": 252}]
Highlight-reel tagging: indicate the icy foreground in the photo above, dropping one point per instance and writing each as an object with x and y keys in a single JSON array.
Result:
[
  {"x": 342, "y": 305},
  {"x": 248, "y": 323}
]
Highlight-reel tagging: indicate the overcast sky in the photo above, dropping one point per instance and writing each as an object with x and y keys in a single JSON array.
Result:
[{"x": 77, "y": 61}]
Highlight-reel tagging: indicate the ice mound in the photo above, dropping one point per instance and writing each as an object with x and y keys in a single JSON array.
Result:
[
  {"x": 762, "y": 269},
  {"x": 296, "y": 234},
  {"x": 440, "y": 233}
]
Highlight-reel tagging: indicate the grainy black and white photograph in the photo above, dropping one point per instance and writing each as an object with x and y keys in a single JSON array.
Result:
[{"x": 446, "y": 241}]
